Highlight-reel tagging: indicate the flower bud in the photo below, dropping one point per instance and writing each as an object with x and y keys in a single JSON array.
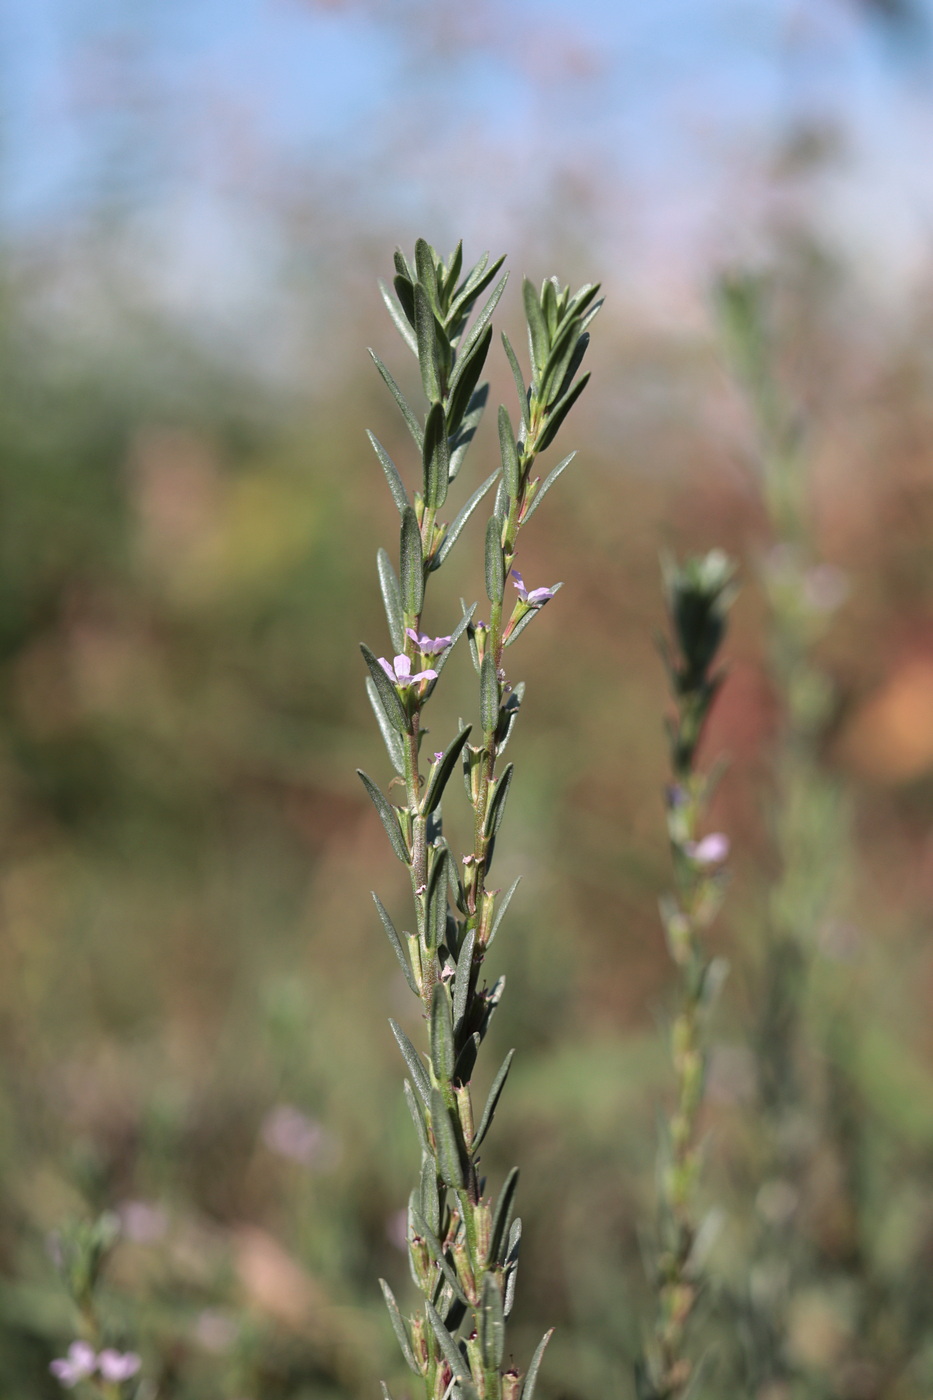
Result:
[
  {"x": 465, "y": 1111},
  {"x": 511, "y": 1385}
]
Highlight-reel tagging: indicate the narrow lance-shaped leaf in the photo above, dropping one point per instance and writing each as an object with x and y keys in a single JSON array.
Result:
[
  {"x": 398, "y": 317},
  {"x": 441, "y": 775},
  {"x": 428, "y": 350},
  {"x": 398, "y": 1326},
  {"x": 489, "y": 694},
  {"x": 519, "y": 380},
  {"x": 430, "y": 1196},
  {"x": 391, "y": 600},
  {"x": 466, "y": 1060},
  {"x": 388, "y": 817},
  {"x": 414, "y": 1062},
  {"x": 453, "y": 272},
  {"x": 455, "y": 636},
  {"x": 452, "y": 1354},
  {"x": 559, "y": 357},
  {"x": 566, "y": 372},
  {"x": 464, "y": 435},
  {"x": 467, "y": 374},
  {"x": 559, "y": 412},
  {"x": 448, "y": 1151},
  {"x": 511, "y": 467},
  {"x": 405, "y": 291},
  {"x": 496, "y": 808},
  {"x": 495, "y": 1093},
  {"x": 477, "y": 330},
  {"x": 426, "y": 261},
  {"x": 502, "y": 1217},
  {"x": 462, "y": 516},
  {"x": 411, "y": 564},
  {"x": 435, "y": 457},
  {"x": 462, "y": 978},
  {"x": 414, "y": 427},
  {"x": 537, "y": 330},
  {"x": 391, "y": 737},
  {"x": 401, "y": 265},
  {"x": 501, "y": 907},
  {"x": 475, "y": 285},
  {"x": 528, "y": 1389},
  {"x": 491, "y": 1321},
  {"x": 511, "y": 1264},
  {"x": 495, "y": 569},
  {"x": 436, "y": 901},
  {"x": 395, "y": 941},
  {"x": 546, "y": 485},
  {"x": 417, "y": 1117},
  {"x": 388, "y": 695},
  {"x": 442, "y": 1034},
  {"x": 396, "y": 485}
]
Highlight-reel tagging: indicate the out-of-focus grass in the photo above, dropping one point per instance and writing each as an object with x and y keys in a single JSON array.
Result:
[{"x": 186, "y": 565}]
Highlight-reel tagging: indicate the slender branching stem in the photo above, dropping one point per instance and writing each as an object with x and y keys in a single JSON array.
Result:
[{"x": 463, "y": 1244}]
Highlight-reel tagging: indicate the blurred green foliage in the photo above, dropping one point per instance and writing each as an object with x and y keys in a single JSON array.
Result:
[{"x": 188, "y": 945}]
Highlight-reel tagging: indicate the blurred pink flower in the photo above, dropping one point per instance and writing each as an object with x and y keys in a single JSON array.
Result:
[
  {"x": 710, "y": 851},
  {"x": 142, "y": 1221},
  {"x": 215, "y": 1330},
  {"x": 80, "y": 1362},
  {"x": 118, "y": 1365},
  {"x": 291, "y": 1133}
]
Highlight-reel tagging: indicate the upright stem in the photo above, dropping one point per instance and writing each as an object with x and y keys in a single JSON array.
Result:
[
  {"x": 463, "y": 1246},
  {"x": 698, "y": 595}
]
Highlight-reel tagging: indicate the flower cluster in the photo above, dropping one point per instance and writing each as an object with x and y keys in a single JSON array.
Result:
[{"x": 83, "y": 1361}]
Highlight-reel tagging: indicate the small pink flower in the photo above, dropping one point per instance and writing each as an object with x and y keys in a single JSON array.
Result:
[
  {"x": 712, "y": 850},
  {"x": 291, "y": 1133},
  {"x": 428, "y": 646},
  {"x": 118, "y": 1365},
  {"x": 142, "y": 1222},
  {"x": 80, "y": 1362},
  {"x": 400, "y": 672},
  {"x": 536, "y": 598}
]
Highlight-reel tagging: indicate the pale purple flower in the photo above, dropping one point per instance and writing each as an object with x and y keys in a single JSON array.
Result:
[
  {"x": 80, "y": 1362},
  {"x": 291, "y": 1133},
  {"x": 825, "y": 587},
  {"x": 400, "y": 672},
  {"x": 118, "y": 1365},
  {"x": 710, "y": 851},
  {"x": 142, "y": 1222},
  {"x": 215, "y": 1331},
  {"x": 397, "y": 1229},
  {"x": 536, "y": 598},
  {"x": 428, "y": 646},
  {"x": 438, "y": 757}
]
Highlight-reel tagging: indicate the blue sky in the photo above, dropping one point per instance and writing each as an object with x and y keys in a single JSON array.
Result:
[{"x": 649, "y": 126}]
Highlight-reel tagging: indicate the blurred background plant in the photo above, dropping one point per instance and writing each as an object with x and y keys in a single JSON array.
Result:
[{"x": 196, "y": 204}]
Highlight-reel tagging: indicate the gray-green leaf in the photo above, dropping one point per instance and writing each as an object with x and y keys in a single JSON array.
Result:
[
  {"x": 391, "y": 600},
  {"x": 388, "y": 817},
  {"x": 398, "y": 1326},
  {"x": 396, "y": 485},
  {"x": 449, "y": 1163},
  {"x": 414, "y": 1062},
  {"x": 495, "y": 1093},
  {"x": 396, "y": 942},
  {"x": 411, "y": 559}
]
